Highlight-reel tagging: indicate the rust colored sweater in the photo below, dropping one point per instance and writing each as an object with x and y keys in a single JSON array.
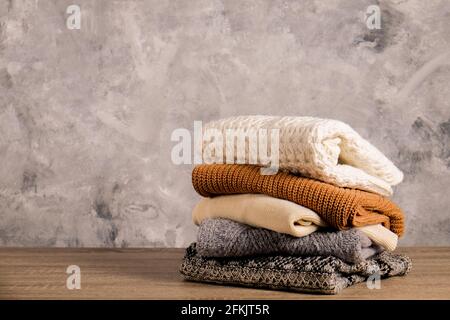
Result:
[{"x": 342, "y": 208}]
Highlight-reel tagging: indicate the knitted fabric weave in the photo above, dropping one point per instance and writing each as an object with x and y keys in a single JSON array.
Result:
[
  {"x": 341, "y": 208},
  {"x": 282, "y": 216},
  {"x": 323, "y": 149},
  {"x": 260, "y": 210},
  {"x": 318, "y": 274},
  {"x": 226, "y": 238}
]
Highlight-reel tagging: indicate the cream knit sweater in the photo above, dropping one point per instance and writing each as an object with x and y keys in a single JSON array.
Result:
[
  {"x": 258, "y": 210},
  {"x": 327, "y": 150}
]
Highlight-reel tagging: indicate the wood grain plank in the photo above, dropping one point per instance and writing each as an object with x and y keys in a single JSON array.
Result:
[{"x": 40, "y": 273}]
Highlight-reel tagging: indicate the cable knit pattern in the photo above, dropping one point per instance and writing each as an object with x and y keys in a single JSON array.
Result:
[
  {"x": 341, "y": 208},
  {"x": 226, "y": 238},
  {"x": 323, "y": 149},
  {"x": 314, "y": 274}
]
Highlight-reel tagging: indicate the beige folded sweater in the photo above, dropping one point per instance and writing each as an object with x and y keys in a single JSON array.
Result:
[{"x": 259, "y": 210}]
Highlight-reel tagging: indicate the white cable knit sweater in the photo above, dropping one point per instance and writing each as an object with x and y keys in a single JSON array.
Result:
[{"x": 327, "y": 150}]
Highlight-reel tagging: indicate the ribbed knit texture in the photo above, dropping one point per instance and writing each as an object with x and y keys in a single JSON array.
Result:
[
  {"x": 226, "y": 238},
  {"x": 341, "y": 208},
  {"x": 323, "y": 149},
  {"x": 314, "y": 274}
]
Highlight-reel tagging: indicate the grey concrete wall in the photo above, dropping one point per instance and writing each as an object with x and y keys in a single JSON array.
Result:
[{"x": 86, "y": 115}]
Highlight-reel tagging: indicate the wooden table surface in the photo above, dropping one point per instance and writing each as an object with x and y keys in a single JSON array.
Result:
[{"x": 34, "y": 273}]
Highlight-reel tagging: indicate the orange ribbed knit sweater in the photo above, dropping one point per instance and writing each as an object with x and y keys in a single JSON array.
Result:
[{"x": 342, "y": 208}]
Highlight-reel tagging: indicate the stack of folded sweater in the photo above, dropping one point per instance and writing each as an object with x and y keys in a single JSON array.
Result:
[{"x": 322, "y": 223}]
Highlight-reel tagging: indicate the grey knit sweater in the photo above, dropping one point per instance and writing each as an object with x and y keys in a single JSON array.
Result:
[
  {"x": 227, "y": 238},
  {"x": 315, "y": 274}
]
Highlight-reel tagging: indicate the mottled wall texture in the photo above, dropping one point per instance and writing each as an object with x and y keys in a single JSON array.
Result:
[{"x": 86, "y": 115}]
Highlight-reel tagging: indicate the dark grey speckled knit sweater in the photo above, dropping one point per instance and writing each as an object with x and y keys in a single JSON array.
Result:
[{"x": 227, "y": 238}]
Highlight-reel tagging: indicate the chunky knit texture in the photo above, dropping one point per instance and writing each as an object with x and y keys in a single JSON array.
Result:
[
  {"x": 282, "y": 216},
  {"x": 341, "y": 208},
  {"x": 314, "y": 274},
  {"x": 227, "y": 238},
  {"x": 323, "y": 149}
]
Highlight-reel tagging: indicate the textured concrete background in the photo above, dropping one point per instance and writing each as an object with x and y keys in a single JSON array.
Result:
[{"x": 86, "y": 115}]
